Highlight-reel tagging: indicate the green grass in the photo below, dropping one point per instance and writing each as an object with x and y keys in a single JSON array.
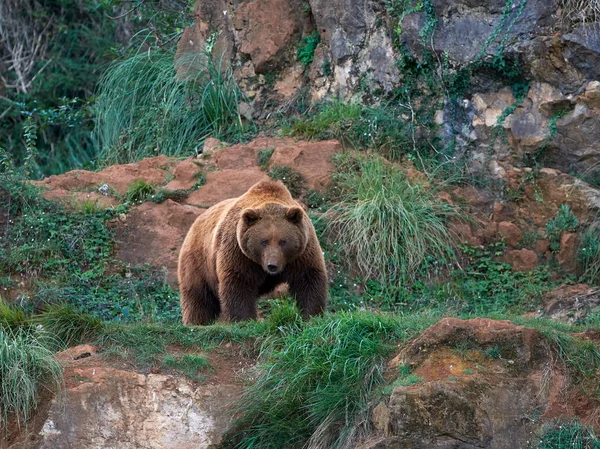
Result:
[
  {"x": 149, "y": 105},
  {"x": 139, "y": 190},
  {"x": 568, "y": 435},
  {"x": 192, "y": 365},
  {"x": 68, "y": 326},
  {"x": 315, "y": 380},
  {"x": 564, "y": 221},
  {"x": 385, "y": 224},
  {"x": 26, "y": 367},
  {"x": 12, "y": 317},
  {"x": 589, "y": 254}
]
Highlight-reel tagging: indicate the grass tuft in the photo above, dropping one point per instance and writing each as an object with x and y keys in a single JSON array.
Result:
[
  {"x": 568, "y": 435},
  {"x": 385, "y": 224},
  {"x": 68, "y": 326},
  {"x": 26, "y": 367},
  {"x": 139, "y": 190}
]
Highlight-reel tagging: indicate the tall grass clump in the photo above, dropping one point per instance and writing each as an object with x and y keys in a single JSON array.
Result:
[
  {"x": 26, "y": 368},
  {"x": 148, "y": 104},
  {"x": 68, "y": 326},
  {"x": 315, "y": 379},
  {"x": 589, "y": 254},
  {"x": 385, "y": 224}
]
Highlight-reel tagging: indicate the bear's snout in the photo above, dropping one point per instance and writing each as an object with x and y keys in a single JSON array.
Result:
[{"x": 272, "y": 268}]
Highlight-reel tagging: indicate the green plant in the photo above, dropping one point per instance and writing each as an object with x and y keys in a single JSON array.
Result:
[
  {"x": 26, "y": 368},
  {"x": 293, "y": 180},
  {"x": 589, "y": 254},
  {"x": 384, "y": 223},
  {"x": 139, "y": 190},
  {"x": 68, "y": 326},
  {"x": 190, "y": 364},
  {"x": 307, "y": 47},
  {"x": 11, "y": 317},
  {"x": 147, "y": 105},
  {"x": 315, "y": 382},
  {"x": 567, "y": 435},
  {"x": 264, "y": 156},
  {"x": 564, "y": 221}
]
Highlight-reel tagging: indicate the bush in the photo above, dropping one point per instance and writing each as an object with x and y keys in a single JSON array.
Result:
[
  {"x": 147, "y": 105},
  {"x": 387, "y": 226},
  {"x": 26, "y": 367},
  {"x": 564, "y": 221},
  {"x": 589, "y": 254},
  {"x": 293, "y": 180}
]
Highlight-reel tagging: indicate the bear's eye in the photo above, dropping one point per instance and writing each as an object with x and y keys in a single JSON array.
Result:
[
  {"x": 282, "y": 242},
  {"x": 264, "y": 242}
]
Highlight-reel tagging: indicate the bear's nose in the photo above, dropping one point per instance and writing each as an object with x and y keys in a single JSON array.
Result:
[{"x": 272, "y": 267}]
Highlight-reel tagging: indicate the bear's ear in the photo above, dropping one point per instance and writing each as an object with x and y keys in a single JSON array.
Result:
[
  {"x": 294, "y": 214},
  {"x": 250, "y": 216}
]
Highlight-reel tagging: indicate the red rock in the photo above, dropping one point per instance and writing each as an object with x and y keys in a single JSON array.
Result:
[
  {"x": 521, "y": 259},
  {"x": 224, "y": 184},
  {"x": 267, "y": 30},
  {"x": 185, "y": 175},
  {"x": 567, "y": 254},
  {"x": 311, "y": 159},
  {"x": 542, "y": 246},
  {"x": 463, "y": 233},
  {"x": 153, "y": 233},
  {"x": 511, "y": 233}
]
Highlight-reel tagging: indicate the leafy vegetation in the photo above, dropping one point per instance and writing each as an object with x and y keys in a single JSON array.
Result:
[
  {"x": 139, "y": 191},
  {"x": 306, "y": 50},
  {"x": 148, "y": 105},
  {"x": 564, "y": 221},
  {"x": 589, "y": 253}
]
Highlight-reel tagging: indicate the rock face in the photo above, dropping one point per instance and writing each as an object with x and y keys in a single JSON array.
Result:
[
  {"x": 478, "y": 383},
  {"x": 103, "y": 407},
  {"x": 554, "y": 107}
]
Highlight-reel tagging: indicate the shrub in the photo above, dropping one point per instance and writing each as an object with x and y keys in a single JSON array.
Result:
[
  {"x": 387, "y": 226},
  {"x": 589, "y": 254},
  {"x": 148, "y": 105},
  {"x": 306, "y": 50},
  {"x": 564, "y": 221},
  {"x": 26, "y": 367},
  {"x": 290, "y": 177},
  {"x": 264, "y": 156}
]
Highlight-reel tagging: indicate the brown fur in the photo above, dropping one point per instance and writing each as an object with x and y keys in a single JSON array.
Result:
[{"x": 228, "y": 251}]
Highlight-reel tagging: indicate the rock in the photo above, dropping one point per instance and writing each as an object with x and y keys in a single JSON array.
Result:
[
  {"x": 464, "y": 396},
  {"x": 118, "y": 177},
  {"x": 153, "y": 233},
  {"x": 268, "y": 31},
  {"x": 571, "y": 303},
  {"x": 521, "y": 259},
  {"x": 311, "y": 159},
  {"x": 511, "y": 233},
  {"x": 224, "y": 184},
  {"x": 111, "y": 408},
  {"x": 185, "y": 175},
  {"x": 464, "y": 234},
  {"x": 567, "y": 254},
  {"x": 211, "y": 145},
  {"x": 591, "y": 96}
]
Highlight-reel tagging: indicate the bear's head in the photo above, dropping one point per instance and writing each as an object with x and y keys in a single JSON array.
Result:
[{"x": 273, "y": 235}]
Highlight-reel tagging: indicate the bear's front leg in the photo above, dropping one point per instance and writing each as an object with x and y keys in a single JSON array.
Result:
[
  {"x": 238, "y": 298},
  {"x": 309, "y": 287}
]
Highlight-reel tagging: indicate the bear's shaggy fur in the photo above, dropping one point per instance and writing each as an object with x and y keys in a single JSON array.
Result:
[{"x": 244, "y": 247}]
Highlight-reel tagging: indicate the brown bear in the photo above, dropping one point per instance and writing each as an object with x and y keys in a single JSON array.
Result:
[{"x": 244, "y": 247}]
